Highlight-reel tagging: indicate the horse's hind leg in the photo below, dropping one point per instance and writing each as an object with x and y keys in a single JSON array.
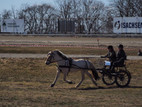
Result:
[
  {"x": 83, "y": 77},
  {"x": 57, "y": 75},
  {"x": 65, "y": 75},
  {"x": 91, "y": 77}
]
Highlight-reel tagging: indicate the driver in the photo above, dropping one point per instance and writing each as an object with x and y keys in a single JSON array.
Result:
[{"x": 111, "y": 55}]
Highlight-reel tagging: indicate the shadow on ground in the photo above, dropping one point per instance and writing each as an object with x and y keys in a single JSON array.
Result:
[{"x": 114, "y": 87}]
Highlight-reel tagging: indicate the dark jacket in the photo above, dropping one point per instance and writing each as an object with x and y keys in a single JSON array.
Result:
[
  {"x": 111, "y": 56},
  {"x": 121, "y": 56},
  {"x": 139, "y": 53}
]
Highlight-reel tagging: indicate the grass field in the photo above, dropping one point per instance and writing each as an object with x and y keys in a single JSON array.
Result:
[{"x": 25, "y": 82}]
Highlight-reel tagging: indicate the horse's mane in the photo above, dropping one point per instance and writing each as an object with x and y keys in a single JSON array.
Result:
[{"x": 62, "y": 55}]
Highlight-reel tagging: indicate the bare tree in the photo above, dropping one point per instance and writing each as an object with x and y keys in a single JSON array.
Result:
[
  {"x": 92, "y": 15},
  {"x": 6, "y": 14},
  {"x": 138, "y": 7},
  {"x": 65, "y": 9},
  {"x": 37, "y": 18},
  {"x": 128, "y": 8},
  {"x": 107, "y": 21},
  {"x": 87, "y": 13},
  {"x": 14, "y": 13}
]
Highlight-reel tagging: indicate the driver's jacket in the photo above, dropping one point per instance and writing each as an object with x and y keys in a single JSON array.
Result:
[
  {"x": 121, "y": 56},
  {"x": 111, "y": 56}
]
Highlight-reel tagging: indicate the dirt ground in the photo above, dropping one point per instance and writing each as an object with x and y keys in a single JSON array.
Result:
[
  {"x": 25, "y": 83},
  {"x": 14, "y": 55},
  {"x": 79, "y": 41}
]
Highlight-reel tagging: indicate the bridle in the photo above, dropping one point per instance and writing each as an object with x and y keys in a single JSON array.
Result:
[{"x": 51, "y": 56}]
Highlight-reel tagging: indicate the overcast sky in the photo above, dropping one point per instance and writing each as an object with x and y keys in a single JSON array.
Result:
[{"x": 16, "y": 4}]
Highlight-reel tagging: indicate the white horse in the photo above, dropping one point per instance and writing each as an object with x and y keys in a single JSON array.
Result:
[{"x": 66, "y": 65}]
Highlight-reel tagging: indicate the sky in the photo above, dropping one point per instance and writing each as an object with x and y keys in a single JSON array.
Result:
[{"x": 16, "y": 4}]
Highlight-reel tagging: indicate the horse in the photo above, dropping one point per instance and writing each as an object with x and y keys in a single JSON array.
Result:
[{"x": 66, "y": 65}]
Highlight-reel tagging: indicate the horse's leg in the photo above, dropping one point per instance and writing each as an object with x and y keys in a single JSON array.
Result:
[
  {"x": 83, "y": 77},
  {"x": 91, "y": 77},
  {"x": 68, "y": 81},
  {"x": 57, "y": 75}
]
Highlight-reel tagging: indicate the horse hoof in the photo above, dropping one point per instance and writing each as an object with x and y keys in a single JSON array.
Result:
[
  {"x": 76, "y": 87},
  {"x": 70, "y": 82},
  {"x": 52, "y": 85}
]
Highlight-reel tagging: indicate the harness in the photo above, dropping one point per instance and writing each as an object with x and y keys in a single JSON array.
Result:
[
  {"x": 68, "y": 64},
  {"x": 71, "y": 65}
]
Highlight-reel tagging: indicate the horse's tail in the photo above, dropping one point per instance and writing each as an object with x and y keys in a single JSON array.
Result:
[{"x": 94, "y": 72}]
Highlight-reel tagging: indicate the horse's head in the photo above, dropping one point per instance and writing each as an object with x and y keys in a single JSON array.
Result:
[
  {"x": 50, "y": 57},
  {"x": 55, "y": 56}
]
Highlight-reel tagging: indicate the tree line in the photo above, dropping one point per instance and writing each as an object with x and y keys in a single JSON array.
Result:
[{"x": 90, "y": 16}]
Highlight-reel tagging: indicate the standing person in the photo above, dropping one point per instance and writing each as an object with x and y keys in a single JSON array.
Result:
[
  {"x": 140, "y": 53},
  {"x": 121, "y": 57},
  {"x": 111, "y": 55}
]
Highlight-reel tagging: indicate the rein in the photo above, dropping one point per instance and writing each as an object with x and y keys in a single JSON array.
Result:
[{"x": 56, "y": 61}]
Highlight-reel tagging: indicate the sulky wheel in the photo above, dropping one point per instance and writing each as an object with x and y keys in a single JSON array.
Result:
[
  {"x": 108, "y": 79},
  {"x": 123, "y": 78}
]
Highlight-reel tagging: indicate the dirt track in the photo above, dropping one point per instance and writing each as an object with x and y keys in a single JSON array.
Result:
[
  {"x": 79, "y": 41},
  {"x": 129, "y": 43},
  {"x": 8, "y": 55}
]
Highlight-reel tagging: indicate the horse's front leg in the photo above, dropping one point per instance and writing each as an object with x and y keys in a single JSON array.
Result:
[
  {"x": 83, "y": 77},
  {"x": 54, "y": 82}
]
